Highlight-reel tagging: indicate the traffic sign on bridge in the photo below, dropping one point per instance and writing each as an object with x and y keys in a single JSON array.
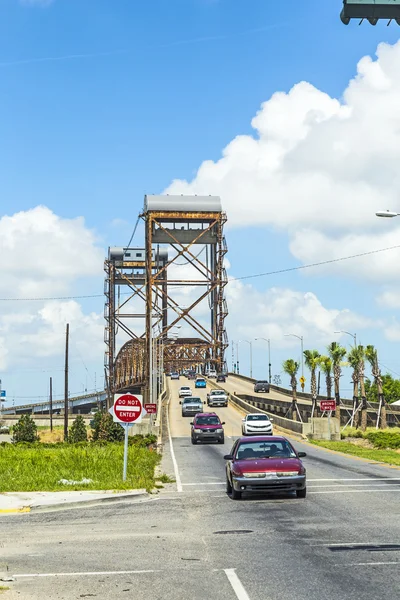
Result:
[
  {"x": 151, "y": 409},
  {"x": 328, "y": 405},
  {"x": 128, "y": 408}
]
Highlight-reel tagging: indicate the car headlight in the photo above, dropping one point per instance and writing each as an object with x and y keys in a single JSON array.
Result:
[
  {"x": 219, "y": 431},
  {"x": 197, "y": 430},
  {"x": 253, "y": 475},
  {"x": 288, "y": 474}
]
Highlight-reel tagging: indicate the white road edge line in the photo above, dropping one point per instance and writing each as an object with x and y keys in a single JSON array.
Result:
[
  {"x": 171, "y": 446},
  {"x": 236, "y": 584},
  {"x": 367, "y": 564},
  {"x": 360, "y": 479},
  {"x": 26, "y": 575},
  {"x": 367, "y": 490},
  {"x": 210, "y": 483}
]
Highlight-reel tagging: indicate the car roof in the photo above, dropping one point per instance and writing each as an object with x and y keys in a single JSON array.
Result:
[
  {"x": 258, "y": 415},
  {"x": 207, "y": 414},
  {"x": 263, "y": 438}
]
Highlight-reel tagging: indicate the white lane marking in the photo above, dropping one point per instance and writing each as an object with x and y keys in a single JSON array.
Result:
[
  {"x": 171, "y": 447},
  {"x": 236, "y": 584},
  {"x": 372, "y": 478},
  {"x": 210, "y": 483},
  {"x": 367, "y": 564},
  {"x": 85, "y": 573},
  {"x": 351, "y": 485},
  {"x": 355, "y": 544},
  {"x": 367, "y": 490}
]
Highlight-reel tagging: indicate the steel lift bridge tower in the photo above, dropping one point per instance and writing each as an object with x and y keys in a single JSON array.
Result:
[{"x": 185, "y": 224}]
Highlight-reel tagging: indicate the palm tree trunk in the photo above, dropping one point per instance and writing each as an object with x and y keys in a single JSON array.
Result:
[
  {"x": 382, "y": 402},
  {"x": 364, "y": 413},
  {"x": 294, "y": 403},
  {"x": 337, "y": 393},
  {"x": 356, "y": 412}
]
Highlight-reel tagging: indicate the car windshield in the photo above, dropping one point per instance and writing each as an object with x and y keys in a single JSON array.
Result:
[
  {"x": 191, "y": 400},
  {"x": 268, "y": 449},
  {"x": 208, "y": 421},
  {"x": 217, "y": 392},
  {"x": 262, "y": 383},
  {"x": 185, "y": 388},
  {"x": 200, "y": 380},
  {"x": 257, "y": 418}
]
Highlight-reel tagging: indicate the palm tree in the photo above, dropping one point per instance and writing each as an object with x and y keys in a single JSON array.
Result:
[
  {"x": 361, "y": 369},
  {"x": 326, "y": 365},
  {"x": 291, "y": 367},
  {"x": 337, "y": 353},
  {"x": 371, "y": 354},
  {"x": 312, "y": 362},
  {"x": 354, "y": 360}
]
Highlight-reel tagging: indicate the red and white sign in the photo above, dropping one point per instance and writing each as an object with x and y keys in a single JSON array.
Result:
[
  {"x": 128, "y": 408},
  {"x": 151, "y": 409},
  {"x": 328, "y": 405}
]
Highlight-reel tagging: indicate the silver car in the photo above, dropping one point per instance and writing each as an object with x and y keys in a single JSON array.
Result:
[{"x": 191, "y": 406}]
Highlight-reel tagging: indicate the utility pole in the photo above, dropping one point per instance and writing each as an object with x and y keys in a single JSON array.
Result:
[
  {"x": 66, "y": 385},
  {"x": 51, "y": 404}
]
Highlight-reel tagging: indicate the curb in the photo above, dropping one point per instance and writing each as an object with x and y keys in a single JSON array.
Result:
[{"x": 77, "y": 504}]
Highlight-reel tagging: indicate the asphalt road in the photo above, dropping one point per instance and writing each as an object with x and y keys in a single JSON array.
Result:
[
  {"x": 241, "y": 386},
  {"x": 192, "y": 541}
]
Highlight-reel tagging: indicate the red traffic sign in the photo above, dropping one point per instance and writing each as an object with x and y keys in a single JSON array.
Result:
[
  {"x": 328, "y": 405},
  {"x": 127, "y": 408},
  {"x": 151, "y": 409}
]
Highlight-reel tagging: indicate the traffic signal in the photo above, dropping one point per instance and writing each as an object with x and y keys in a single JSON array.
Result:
[{"x": 372, "y": 10}]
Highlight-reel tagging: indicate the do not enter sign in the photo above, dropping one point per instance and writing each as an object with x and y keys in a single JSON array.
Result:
[{"x": 128, "y": 408}]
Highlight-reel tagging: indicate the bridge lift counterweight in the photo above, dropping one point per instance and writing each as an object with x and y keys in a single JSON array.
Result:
[{"x": 372, "y": 10}]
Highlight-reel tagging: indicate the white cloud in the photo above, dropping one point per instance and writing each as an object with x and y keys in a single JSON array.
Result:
[
  {"x": 279, "y": 311},
  {"x": 319, "y": 168},
  {"x": 44, "y": 255}
]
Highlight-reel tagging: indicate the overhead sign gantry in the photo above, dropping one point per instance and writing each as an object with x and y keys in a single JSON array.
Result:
[{"x": 372, "y": 10}]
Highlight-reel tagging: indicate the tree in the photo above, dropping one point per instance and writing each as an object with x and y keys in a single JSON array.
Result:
[
  {"x": 25, "y": 430},
  {"x": 78, "y": 431},
  {"x": 312, "y": 362},
  {"x": 371, "y": 355},
  {"x": 326, "y": 365},
  {"x": 337, "y": 353},
  {"x": 291, "y": 368},
  {"x": 108, "y": 430},
  {"x": 354, "y": 359}
]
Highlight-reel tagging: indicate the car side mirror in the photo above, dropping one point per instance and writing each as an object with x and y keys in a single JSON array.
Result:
[
  {"x": 191, "y": 422},
  {"x": 228, "y": 457},
  {"x": 302, "y": 454},
  {"x": 223, "y": 423},
  {"x": 271, "y": 419},
  {"x": 180, "y": 402}
]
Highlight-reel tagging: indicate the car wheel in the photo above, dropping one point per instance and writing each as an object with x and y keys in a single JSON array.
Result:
[
  {"x": 228, "y": 486},
  {"x": 301, "y": 493},
  {"x": 221, "y": 441},
  {"x": 194, "y": 442},
  {"x": 236, "y": 495}
]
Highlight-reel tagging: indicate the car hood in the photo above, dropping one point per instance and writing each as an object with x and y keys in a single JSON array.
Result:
[
  {"x": 264, "y": 423},
  {"x": 268, "y": 464}
]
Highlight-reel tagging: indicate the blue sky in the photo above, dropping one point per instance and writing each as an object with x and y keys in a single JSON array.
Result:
[{"x": 102, "y": 102}]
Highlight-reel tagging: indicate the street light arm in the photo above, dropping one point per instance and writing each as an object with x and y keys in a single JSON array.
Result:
[{"x": 387, "y": 214}]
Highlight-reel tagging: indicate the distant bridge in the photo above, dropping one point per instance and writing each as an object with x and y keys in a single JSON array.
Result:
[{"x": 79, "y": 404}]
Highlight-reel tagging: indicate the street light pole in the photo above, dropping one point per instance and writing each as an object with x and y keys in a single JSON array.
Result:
[
  {"x": 353, "y": 335},
  {"x": 299, "y": 337},
  {"x": 269, "y": 356}
]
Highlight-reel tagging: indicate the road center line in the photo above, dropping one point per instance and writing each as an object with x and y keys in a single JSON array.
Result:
[
  {"x": 368, "y": 564},
  {"x": 351, "y": 485},
  {"x": 372, "y": 478},
  {"x": 209, "y": 483},
  {"x": 85, "y": 573},
  {"x": 171, "y": 447},
  {"x": 236, "y": 584}
]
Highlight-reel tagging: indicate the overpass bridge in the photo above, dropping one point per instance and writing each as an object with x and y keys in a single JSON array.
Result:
[{"x": 79, "y": 404}]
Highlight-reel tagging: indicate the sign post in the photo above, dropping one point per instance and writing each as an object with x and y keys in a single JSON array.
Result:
[
  {"x": 328, "y": 405},
  {"x": 127, "y": 410}
]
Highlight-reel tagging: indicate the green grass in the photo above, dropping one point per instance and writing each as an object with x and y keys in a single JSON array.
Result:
[
  {"x": 39, "y": 467},
  {"x": 387, "y": 456},
  {"x": 3, "y": 589}
]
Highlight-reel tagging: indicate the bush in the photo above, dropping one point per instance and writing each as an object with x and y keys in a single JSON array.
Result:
[
  {"x": 107, "y": 430},
  {"x": 78, "y": 431},
  {"x": 384, "y": 439},
  {"x": 25, "y": 430}
]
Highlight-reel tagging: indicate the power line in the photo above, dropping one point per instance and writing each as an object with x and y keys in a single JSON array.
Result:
[{"x": 287, "y": 270}]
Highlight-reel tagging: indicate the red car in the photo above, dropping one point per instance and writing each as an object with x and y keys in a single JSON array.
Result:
[{"x": 266, "y": 463}]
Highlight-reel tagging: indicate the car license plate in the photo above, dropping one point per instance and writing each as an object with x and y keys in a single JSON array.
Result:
[{"x": 270, "y": 475}]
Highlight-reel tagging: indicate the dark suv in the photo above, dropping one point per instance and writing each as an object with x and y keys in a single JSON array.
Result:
[
  {"x": 207, "y": 426},
  {"x": 261, "y": 386}
]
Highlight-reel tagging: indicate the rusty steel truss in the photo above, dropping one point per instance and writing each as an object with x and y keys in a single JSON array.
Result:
[
  {"x": 175, "y": 229},
  {"x": 184, "y": 229}
]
